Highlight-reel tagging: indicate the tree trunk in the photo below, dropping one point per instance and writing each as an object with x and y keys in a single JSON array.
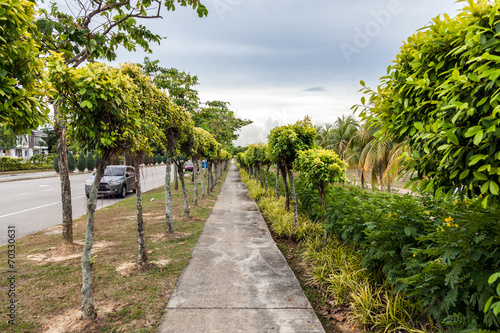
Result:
[
  {"x": 202, "y": 180},
  {"x": 88, "y": 310},
  {"x": 363, "y": 179},
  {"x": 62, "y": 159},
  {"x": 287, "y": 193},
  {"x": 277, "y": 182},
  {"x": 322, "y": 196},
  {"x": 176, "y": 179},
  {"x": 260, "y": 176},
  {"x": 195, "y": 174},
  {"x": 294, "y": 200},
  {"x": 212, "y": 185},
  {"x": 169, "y": 220},
  {"x": 142, "y": 257},
  {"x": 184, "y": 191},
  {"x": 209, "y": 176},
  {"x": 267, "y": 176}
]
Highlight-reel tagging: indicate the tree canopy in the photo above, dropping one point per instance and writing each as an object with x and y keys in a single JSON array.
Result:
[
  {"x": 21, "y": 74},
  {"x": 220, "y": 121},
  {"x": 442, "y": 97},
  {"x": 100, "y": 27}
]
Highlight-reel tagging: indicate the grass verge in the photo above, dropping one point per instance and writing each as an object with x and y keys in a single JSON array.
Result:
[{"x": 127, "y": 298}]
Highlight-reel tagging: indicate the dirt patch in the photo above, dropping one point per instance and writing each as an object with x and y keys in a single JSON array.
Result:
[
  {"x": 70, "y": 320},
  {"x": 127, "y": 268},
  {"x": 66, "y": 252},
  {"x": 161, "y": 262}
]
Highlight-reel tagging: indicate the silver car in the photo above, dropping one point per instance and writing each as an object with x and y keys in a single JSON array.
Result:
[{"x": 117, "y": 181}]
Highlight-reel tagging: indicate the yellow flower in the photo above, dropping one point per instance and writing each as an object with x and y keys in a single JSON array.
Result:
[
  {"x": 456, "y": 225},
  {"x": 449, "y": 219},
  {"x": 414, "y": 255},
  {"x": 427, "y": 213}
]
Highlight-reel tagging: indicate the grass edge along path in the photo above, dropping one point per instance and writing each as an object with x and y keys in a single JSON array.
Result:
[
  {"x": 342, "y": 293},
  {"x": 128, "y": 298}
]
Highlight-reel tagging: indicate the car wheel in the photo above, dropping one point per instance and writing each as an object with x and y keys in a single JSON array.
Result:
[{"x": 124, "y": 191}]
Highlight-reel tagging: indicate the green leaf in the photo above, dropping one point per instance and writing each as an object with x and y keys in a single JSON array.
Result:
[
  {"x": 419, "y": 126},
  {"x": 455, "y": 75},
  {"x": 494, "y": 188},
  {"x": 464, "y": 174},
  {"x": 477, "y": 158},
  {"x": 493, "y": 277},
  {"x": 480, "y": 176},
  {"x": 478, "y": 138},
  {"x": 488, "y": 304},
  {"x": 452, "y": 137},
  {"x": 87, "y": 104}
]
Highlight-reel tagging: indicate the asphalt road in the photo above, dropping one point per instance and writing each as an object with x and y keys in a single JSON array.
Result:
[{"x": 34, "y": 205}]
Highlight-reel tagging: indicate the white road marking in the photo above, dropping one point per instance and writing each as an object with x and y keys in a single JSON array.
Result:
[
  {"x": 18, "y": 195},
  {"x": 38, "y": 207}
]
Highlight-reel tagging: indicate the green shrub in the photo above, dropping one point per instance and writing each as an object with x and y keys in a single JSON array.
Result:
[
  {"x": 55, "y": 164},
  {"x": 71, "y": 162},
  {"x": 12, "y": 163},
  {"x": 91, "y": 163},
  {"x": 81, "y": 163}
]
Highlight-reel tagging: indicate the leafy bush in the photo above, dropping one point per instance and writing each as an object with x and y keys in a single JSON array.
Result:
[
  {"x": 439, "y": 252},
  {"x": 91, "y": 163},
  {"x": 81, "y": 163},
  {"x": 55, "y": 164},
  {"x": 11, "y": 163},
  {"x": 71, "y": 162}
]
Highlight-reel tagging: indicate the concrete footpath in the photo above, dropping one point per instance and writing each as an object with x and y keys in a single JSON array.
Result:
[{"x": 237, "y": 279}]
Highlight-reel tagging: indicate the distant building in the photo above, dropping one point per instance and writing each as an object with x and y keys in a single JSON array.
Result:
[{"x": 28, "y": 145}]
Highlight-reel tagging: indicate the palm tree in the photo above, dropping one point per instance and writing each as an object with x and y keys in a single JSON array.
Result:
[
  {"x": 356, "y": 152},
  {"x": 345, "y": 128}
]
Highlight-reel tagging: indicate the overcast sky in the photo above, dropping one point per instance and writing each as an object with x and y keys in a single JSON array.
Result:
[{"x": 277, "y": 61}]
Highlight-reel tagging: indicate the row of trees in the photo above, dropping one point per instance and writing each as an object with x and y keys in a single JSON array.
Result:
[
  {"x": 114, "y": 110},
  {"x": 101, "y": 108},
  {"x": 293, "y": 148}
]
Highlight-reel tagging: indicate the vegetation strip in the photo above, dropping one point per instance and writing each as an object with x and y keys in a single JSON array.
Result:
[{"x": 127, "y": 297}]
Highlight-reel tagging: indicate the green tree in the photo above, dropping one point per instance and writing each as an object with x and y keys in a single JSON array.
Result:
[
  {"x": 90, "y": 162},
  {"x": 178, "y": 84},
  {"x": 284, "y": 144},
  {"x": 441, "y": 97},
  {"x": 202, "y": 142},
  {"x": 55, "y": 164},
  {"x": 71, "y": 162},
  {"x": 50, "y": 140},
  {"x": 320, "y": 167},
  {"x": 101, "y": 117},
  {"x": 90, "y": 31},
  {"x": 220, "y": 121},
  {"x": 149, "y": 102},
  {"x": 21, "y": 73},
  {"x": 81, "y": 163}
]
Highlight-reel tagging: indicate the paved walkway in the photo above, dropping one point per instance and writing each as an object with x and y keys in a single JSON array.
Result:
[{"x": 237, "y": 279}]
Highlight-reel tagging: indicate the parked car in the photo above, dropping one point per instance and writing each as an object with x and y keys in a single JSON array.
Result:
[
  {"x": 188, "y": 166},
  {"x": 117, "y": 181}
]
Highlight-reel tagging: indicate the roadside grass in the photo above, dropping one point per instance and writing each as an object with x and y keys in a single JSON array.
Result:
[{"x": 128, "y": 298}]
